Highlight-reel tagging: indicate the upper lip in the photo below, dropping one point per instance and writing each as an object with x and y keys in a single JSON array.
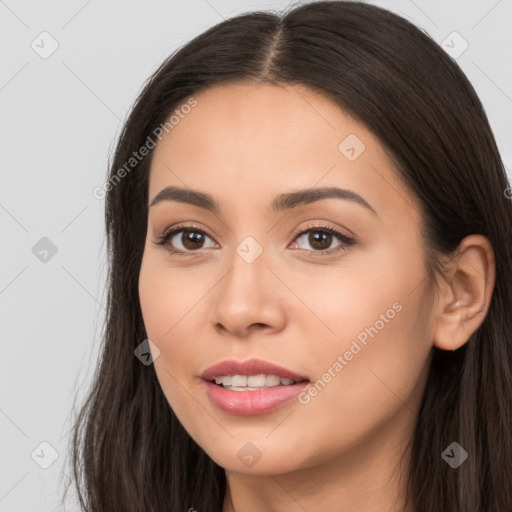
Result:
[{"x": 250, "y": 367}]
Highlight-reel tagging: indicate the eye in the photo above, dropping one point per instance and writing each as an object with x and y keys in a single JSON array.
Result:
[
  {"x": 183, "y": 239},
  {"x": 320, "y": 238}
]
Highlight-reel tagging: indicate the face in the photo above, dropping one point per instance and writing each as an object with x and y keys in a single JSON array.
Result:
[{"x": 333, "y": 289}]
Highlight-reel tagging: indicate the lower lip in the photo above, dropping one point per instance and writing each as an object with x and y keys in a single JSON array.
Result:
[{"x": 252, "y": 402}]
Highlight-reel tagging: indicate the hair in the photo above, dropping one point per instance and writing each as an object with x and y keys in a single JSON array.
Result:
[{"x": 129, "y": 451}]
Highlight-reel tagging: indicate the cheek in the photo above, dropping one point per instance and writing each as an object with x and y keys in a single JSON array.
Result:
[
  {"x": 159, "y": 296},
  {"x": 364, "y": 293},
  {"x": 383, "y": 335},
  {"x": 376, "y": 383},
  {"x": 169, "y": 300},
  {"x": 167, "y": 295}
]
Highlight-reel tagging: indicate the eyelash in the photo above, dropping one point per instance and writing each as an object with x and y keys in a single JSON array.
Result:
[{"x": 346, "y": 241}]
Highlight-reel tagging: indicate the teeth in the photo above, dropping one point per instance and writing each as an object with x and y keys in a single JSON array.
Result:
[
  {"x": 223, "y": 380},
  {"x": 244, "y": 382},
  {"x": 239, "y": 380},
  {"x": 257, "y": 381}
]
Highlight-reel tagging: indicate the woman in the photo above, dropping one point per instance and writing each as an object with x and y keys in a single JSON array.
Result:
[{"x": 310, "y": 256}]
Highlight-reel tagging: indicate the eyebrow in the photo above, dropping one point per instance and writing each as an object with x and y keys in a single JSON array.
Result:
[{"x": 286, "y": 201}]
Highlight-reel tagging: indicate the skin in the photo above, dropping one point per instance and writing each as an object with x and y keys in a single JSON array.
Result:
[{"x": 244, "y": 145}]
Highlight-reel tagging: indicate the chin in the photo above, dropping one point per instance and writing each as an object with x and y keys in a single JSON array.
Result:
[{"x": 257, "y": 460}]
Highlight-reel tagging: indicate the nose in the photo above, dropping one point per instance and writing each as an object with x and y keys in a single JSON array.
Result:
[{"x": 248, "y": 300}]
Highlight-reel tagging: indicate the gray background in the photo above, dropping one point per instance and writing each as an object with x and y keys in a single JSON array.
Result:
[{"x": 60, "y": 118}]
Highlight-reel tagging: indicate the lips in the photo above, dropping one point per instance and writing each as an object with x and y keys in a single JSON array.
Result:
[
  {"x": 255, "y": 401},
  {"x": 250, "y": 367}
]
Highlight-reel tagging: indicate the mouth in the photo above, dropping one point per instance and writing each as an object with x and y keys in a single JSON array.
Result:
[{"x": 251, "y": 387}]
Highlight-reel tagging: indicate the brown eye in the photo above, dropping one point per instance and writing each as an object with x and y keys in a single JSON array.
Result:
[
  {"x": 192, "y": 240},
  {"x": 320, "y": 240},
  {"x": 185, "y": 240}
]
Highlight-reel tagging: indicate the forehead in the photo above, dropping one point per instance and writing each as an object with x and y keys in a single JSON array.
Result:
[{"x": 243, "y": 143}]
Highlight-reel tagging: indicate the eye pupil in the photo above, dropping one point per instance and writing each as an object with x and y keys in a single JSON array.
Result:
[
  {"x": 320, "y": 237},
  {"x": 191, "y": 238}
]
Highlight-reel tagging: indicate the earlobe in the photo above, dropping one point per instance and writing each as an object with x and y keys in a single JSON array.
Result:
[{"x": 466, "y": 293}]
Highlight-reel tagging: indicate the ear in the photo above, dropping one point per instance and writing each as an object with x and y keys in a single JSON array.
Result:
[{"x": 466, "y": 292}]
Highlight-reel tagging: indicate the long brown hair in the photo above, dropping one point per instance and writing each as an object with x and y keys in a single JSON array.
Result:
[{"x": 129, "y": 451}]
